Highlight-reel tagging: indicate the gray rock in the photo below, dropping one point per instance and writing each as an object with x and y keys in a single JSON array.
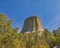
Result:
[{"x": 56, "y": 47}]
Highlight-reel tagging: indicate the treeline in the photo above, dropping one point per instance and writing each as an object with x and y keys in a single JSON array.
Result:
[{"x": 10, "y": 38}]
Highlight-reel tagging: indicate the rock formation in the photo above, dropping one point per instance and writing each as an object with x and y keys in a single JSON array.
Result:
[{"x": 32, "y": 24}]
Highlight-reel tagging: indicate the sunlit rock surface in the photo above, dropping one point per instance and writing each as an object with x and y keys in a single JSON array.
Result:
[{"x": 32, "y": 24}]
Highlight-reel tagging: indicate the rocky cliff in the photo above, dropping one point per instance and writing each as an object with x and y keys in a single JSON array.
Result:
[{"x": 32, "y": 24}]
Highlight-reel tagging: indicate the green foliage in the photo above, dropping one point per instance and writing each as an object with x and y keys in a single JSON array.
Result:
[
  {"x": 33, "y": 40},
  {"x": 56, "y": 34},
  {"x": 9, "y": 37}
]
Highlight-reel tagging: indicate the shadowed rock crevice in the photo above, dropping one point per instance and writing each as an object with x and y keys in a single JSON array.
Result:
[{"x": 32, "y": 24}]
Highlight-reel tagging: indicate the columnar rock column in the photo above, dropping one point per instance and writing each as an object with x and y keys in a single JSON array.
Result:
[{"x": 32, "y": 24}]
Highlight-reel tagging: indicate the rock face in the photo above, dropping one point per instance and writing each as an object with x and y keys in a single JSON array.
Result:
[
  {"x": 32, "y": 24},
  {"x": 56, "y": 47}
]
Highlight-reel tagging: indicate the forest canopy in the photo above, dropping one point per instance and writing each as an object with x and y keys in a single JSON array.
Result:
[{"x": 10, "y": 38}]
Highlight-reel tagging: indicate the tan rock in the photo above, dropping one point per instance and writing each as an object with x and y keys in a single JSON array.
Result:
[{"x": 32, "y": 24}]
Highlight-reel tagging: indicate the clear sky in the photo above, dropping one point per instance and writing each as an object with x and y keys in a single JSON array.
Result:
[{"x": 47, "y": 10}]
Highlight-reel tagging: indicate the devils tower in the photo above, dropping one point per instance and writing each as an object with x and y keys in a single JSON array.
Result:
[{"x": 32, "y": 24}]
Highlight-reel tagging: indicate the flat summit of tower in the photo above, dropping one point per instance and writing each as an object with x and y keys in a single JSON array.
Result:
[{"x": 32, "y": 24}]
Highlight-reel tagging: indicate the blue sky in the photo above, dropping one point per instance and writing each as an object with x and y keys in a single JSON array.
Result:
[{"x": 47, "y": 10}]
